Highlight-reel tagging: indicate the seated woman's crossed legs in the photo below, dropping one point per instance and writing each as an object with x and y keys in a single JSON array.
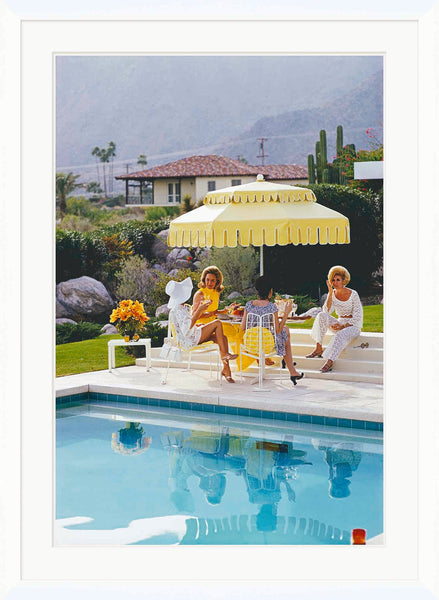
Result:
[{"x": 213, "y": 332}]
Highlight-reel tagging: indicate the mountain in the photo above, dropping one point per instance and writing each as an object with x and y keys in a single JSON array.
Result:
[
  {"x": 168, "y": 107},
  {"x": 292, "y": 135}
]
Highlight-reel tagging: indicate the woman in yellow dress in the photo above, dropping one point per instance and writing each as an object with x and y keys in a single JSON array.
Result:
[{"x": 211, "y": 285}]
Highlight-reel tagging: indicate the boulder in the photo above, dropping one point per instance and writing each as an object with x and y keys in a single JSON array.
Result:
[
  {"x": 159, "y": 249},
  {"x": 162, "y": 310},
  {"x": 173, "y": 273},
  {"x": 251, "y": 291},
  {"x": 109, "y": 329},
  {"x": 83, "y": 296},
  {"x": 159, "y": 267},
  {"x": 233, "y": 295},
  {"x": 62, "y": 311},
  {"x": 196, "y": 265},
  {"x": 182, "y": 264},
  {"x": 178, "y": 254},
  {"x": 61, "y": 321},
  {"x": 163, "y": 234}
]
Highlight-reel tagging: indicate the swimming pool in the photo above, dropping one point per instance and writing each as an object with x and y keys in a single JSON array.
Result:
[{"x": 154, "y": 475}]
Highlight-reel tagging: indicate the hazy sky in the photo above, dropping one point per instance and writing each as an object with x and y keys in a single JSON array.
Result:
[{"x": 160, "y": 105}]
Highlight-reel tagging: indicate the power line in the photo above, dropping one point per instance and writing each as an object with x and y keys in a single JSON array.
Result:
[{"x": 262, "y": 150}]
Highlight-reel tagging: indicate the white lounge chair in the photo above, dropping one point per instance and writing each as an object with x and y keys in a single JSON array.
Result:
[{"x": 204, "y": 348}]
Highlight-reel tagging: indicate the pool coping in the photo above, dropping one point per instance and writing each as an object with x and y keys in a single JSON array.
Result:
[{"x": 225, "y": 404}]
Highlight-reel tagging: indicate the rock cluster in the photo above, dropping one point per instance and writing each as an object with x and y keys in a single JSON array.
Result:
[{"x": 82, "y": 297}]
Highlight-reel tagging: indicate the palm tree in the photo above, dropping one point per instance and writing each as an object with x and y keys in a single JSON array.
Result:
[
  {"x": 111, "y": 153},
  {"x": 96, "y": 152},
  {"x": 105, "y": 155},
  {"x": 187, "y": 205},
  {"x": 65, "y": 184}
]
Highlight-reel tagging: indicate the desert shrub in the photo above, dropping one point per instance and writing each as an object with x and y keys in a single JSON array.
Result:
[
  {"x": 186, "y": 205},
  {"x": 76, "y": 223},
  {"x": 118, "y": 250},
  {"x": 99, "y": 253},
  {"x": 239, "y": 300},
  {"x": 79, "y": 206},
  {"x": 115, "y": 201},
  {"x": 159, "y": 212},
  {"x": 140, "y": 233},
  {"x": 79, "y": 254},
  {"x": 69, "y": 255},
  {"x": 71, "y": 332},
  {"x": 135, "y": 280},
  {"x": 304, "y": 302},
  {"x": 239, "y": 265}
]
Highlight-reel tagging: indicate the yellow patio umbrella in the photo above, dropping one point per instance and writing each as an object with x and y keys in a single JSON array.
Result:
[{"x": 256, "y": 214}]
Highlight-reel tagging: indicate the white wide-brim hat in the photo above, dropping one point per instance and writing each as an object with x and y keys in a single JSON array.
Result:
[{"x": 178, "y": 291}]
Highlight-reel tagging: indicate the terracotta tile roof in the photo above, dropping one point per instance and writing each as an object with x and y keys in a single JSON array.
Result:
[
  {"x": 215, "y": 166},
  {"x": 196, "y": 166},
  {"x": 284, "y": 172}
]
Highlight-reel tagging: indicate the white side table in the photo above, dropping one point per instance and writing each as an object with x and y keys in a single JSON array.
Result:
[{"x": 141, "y": 342}]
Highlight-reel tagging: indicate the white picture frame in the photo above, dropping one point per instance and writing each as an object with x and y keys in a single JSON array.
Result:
[{"x": 410, "y": 554}]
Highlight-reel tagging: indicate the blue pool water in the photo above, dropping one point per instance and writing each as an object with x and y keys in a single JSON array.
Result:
[{"x": 130, "y": 475}]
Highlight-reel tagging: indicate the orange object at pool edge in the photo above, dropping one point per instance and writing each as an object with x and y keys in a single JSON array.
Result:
[{"x": 358, "y": 537}]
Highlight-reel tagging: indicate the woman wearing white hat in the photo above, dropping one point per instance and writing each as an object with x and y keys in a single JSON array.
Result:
[{"x": 188, "y": 333}]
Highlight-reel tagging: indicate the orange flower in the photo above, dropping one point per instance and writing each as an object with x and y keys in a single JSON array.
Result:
[{"x": 128, "y": 310}]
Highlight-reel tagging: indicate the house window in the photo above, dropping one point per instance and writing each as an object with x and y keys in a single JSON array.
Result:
[
  {"x": 211, "y": 186},
  {"x": 174, "y": 192},
  {"x": 236, "y": 182}
]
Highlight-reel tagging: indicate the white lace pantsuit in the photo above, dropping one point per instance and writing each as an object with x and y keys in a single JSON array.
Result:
[
  {"x": 339, "y": 341},
  {"x": 349, "y": 311}
]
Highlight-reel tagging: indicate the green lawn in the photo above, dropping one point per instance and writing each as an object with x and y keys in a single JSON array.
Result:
[
  {"x": 89, "y": 355},
  {"x": 373, "y": 319},
  {"x": 92, "y": 355}
]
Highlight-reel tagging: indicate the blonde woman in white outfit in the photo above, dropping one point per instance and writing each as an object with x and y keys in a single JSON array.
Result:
[{"x": 346, "y": 303}]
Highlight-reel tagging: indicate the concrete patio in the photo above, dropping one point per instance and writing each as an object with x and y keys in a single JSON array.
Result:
[{"x": 328, "y": 398}]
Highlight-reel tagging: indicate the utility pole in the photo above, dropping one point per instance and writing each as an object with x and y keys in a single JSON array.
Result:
[
  {"x": 127, "y": 166},
  {"x": 262, "y": 154}
]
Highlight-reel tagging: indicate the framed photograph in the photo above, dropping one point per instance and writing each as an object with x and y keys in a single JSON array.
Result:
[{"x": 406, "y": 556}]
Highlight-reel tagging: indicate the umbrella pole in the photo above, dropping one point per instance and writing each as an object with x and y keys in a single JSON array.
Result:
[{"x": 261, "y": 260}]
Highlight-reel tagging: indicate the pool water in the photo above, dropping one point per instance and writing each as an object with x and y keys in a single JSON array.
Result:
[{"x": 126, "y": 475}]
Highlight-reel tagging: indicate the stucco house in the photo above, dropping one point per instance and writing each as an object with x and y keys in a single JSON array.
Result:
[{"x": 197, "y": 175}]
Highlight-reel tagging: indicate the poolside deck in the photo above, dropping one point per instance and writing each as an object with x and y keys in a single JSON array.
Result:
[{"x": 327, "y": 398}]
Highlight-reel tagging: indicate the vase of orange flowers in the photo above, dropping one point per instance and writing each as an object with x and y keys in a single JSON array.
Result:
[{"x": 129, "y": 318}]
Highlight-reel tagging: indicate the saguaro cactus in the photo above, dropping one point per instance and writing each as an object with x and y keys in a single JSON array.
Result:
[
  {"x": 311, "y": 169},
  {"x": 339, "y": 143},
  {"x": 323, "y": 150},
  {"x": 318, "y": 163},
  {"x": 323, "y": 172}
]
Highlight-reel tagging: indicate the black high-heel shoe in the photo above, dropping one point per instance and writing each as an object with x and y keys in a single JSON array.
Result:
[
  {"x": 295, "y": 378},
  {"x": 284, "y": 364}
]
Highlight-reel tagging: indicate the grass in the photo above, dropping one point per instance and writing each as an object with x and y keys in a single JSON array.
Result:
[
  {"x": 92, "y": 355},
  {"x": 89, "y": 355},
  {"x": 372, "y": 319}
]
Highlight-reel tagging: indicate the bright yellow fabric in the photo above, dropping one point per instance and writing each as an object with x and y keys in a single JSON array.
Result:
[
  {"x": 232, "y": 331},
  {"x": 210, "y": 295},
  {"x": 251, "y": 340},
  {"x": 269, "y": 214}
]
